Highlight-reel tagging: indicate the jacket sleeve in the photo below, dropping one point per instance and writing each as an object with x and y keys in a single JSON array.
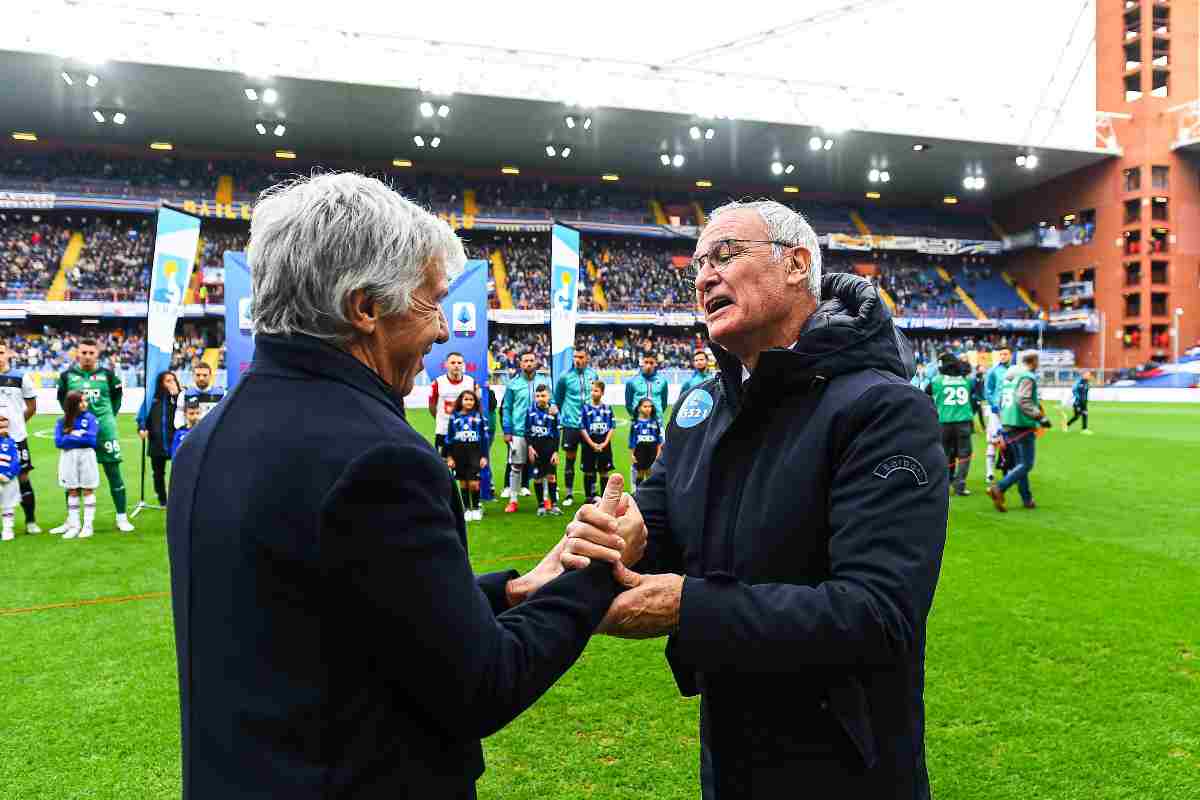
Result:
[
  {"x": 433, "y": 399},
  {"x": 664, "y": 393},
  {"x": 1024, "y": 395},
  {"x": 91, "y": 432},
  {"x": 142, "y": 415},
  {"x": 391, "y": 533},
  {"x": 506, "y": 412},
  {"x": 887, "y": 533},
  {"x": 560, "y": 392},
  {"x": 630, "y": 393},
  {"x": 62, "y": 390},
  {"x": 117, "y": 392}
]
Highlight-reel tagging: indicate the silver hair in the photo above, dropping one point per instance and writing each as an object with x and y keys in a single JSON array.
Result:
[
  {"x": 784, "y": 225},
  {"x": 315, "y": 241}
]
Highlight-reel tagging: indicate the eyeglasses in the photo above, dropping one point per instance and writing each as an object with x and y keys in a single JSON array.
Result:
[{"x": 723, "y": 253}]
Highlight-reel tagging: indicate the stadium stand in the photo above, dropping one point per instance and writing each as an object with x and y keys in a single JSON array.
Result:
[
  {"x": 30, "y": 251},
  {"x": 115, "y": 262}
]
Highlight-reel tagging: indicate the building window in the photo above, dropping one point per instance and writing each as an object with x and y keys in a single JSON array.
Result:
[
  {"x": 1158, "y": 209},
  {"x": 1133, "y": 87},
  {"x": 1160, "y": 336},
  {"x": 1161, "y": 54},
  {"x": 1133, "y": 336},
  {"x": 1133, "y": 243},
  {"x": 1160, "y": 177},
  {"x": 1133, "y": 211},
  {"x": 1133, "y": 179},
  {"x": 1158, "y": 82},
  {"x": 1159, "y": 240},
  {"x": 1158, "y": 304},
  {"x": 1162, "y": 21},
  {"x": 1133, "y": 305},
  {"x": 1158, "y": 272},
  {"x": 1133, "y": 274}
]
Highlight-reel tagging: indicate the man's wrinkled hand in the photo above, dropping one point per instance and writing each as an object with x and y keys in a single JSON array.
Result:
[
  {"x": 612, "y": 531},
  {"x": 649, "y": 609}
]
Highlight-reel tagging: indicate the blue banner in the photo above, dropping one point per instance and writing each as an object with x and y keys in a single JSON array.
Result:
[
  {"x": 175, "y": 243},
  {"x": 564, "y": 297},
  {"x": 239, "y": 338}
]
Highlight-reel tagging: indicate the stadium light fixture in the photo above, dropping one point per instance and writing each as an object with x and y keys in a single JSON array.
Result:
[
  {"x": 550, "y": 151},
  {"x": 510, "y": 170},
  {"x": 119, "y": 118},
  {"x": 704, "y": 184},
  {"x": 426, "y": 109},
  {"x": 435, "y": 142},
  {"x": 828, "y": 145},
  {"x": 401, "y": 162},
  {"x": 161, "y": 146},
  {"x": 677, "y": 160},
  {"x": 280, "y": 129},
  {"x": 873, "y": 176},
  {"x": 1031, "y": 161},
  {"x": 419, "y": 141},
  {"x": 949, "y": 200},
  {"x": 287, "y": 154},
  {"x": 1020, "y": 160},
  {"x": 587, "y": 123},
  {"x": 67, "y": 79},
  {"x": 24, "y": 136},
  {"x": 872, "y": 195},
  {"x": 791, "y": 190},
  {"x": 665, "y": 159},
  {"x": 93, "y": 80},
  {"x": 610, "y": 176},
  {"x": 569, "y": 121},
  {"x": 566, "y": 152},
  {"x": 97, "y": 115},
  {"x": 443, "y": 111},
  {"x": 814, "y": 143},
  {"x": 709, "y": 133},
  {"x": 789, "y": 169},
  {"x": 694, "y": 132},
  {"x": 776, "y": 168},
  {"x": 262, "y": 129},
  {"x": 884, "y": 176},
  {"x": 269, "y": 96},
  {"x": 251, "y": 94},
  {"x": 920, "y": 147},
  {"x": 979, "y": 183}
]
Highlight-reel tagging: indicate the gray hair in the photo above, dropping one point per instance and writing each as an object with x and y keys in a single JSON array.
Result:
[
  {"x": 784, "y": 225},
  {"x": 315, "y": 241}
]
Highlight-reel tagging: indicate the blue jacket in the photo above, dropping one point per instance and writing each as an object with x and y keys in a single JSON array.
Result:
[
  {"x": 541, "y": 424},
  {"x": 468, "y": 429},
  {"x": 597, "y": 421},
  {"x": 654, "y": 387},
  {"x": 644, "y": 431},
  {"x": 9, "y": 448},
  {"x": 285, "y": 520},
  {"x": 807, "y": 511},
  {"x": 572, "y": 390},
  {"x": 993, "y": 382},
  {"x": 88, "y": 428},
  {"x": 518, "y": 399},
  {"x": 158, "y": 420}
]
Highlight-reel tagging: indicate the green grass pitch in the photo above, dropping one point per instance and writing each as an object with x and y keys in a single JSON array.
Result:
[{"x": 1063, "y": 657}]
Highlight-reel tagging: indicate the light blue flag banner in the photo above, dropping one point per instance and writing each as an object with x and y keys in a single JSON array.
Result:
[
  {"x": 564, "y": 297},
  {"x": 239, "y": 337},
  {"x": 175, "y": 243}
]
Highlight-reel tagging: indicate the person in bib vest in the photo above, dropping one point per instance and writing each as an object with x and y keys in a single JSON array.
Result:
[
  {"x": 444, "y": 394},
  {"x": 951, "y": 390},
  {"x": 1022, "y": 414}
]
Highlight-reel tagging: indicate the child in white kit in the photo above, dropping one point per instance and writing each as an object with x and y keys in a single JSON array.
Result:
[{"x": 10, "y": 488}]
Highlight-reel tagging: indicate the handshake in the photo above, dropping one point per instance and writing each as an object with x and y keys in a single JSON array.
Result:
[{"x": 615, "y": 533}]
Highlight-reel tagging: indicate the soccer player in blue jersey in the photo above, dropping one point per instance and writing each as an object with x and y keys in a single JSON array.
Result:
[
  {"x": 10, "y": 470},
  {"x": 541, "y": 432},
  {"x": 192, "y": 413},
  {"x": 1079, "y": 404},
  {"x": 645, "y": 439},
  {"x": 596, "y": 429},
  {"x": 467, "y": 442}
]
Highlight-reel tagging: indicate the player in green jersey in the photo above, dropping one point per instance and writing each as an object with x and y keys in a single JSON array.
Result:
[
  {"x": 951, "y": 391},
  {"x": 103, "y": 389}
]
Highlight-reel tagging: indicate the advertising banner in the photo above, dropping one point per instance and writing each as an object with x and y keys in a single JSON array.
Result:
[
  {"x": 239, "y": 336},
  {"x": 175, "y": 243},
  {"x": 564, "y": 297}
]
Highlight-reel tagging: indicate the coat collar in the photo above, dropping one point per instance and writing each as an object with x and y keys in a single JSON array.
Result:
[{"x": 309, "y": 355}]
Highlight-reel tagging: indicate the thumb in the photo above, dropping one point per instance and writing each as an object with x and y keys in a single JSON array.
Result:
[
  {"x": 625, "y": 576},
  {"x": 623, "y": 504},
  {"x": 612, "y": 494}
]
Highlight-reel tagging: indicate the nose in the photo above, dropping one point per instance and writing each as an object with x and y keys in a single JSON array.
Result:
[{"x": 706, "y": 278}]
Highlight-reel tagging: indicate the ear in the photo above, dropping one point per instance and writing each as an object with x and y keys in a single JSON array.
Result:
[
  {"x": 799, "y": 264},
  {"x": 363, "y": 312}
]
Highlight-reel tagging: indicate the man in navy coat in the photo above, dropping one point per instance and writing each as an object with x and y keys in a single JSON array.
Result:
[
  {"x": 332, "y": 639},
  {"x": 797, "y": 517}
]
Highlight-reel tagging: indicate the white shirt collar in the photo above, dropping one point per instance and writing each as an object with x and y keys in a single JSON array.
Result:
[{"x": 746, "y": 371}]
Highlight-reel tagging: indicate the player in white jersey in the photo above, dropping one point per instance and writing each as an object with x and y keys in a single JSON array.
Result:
[
  {"x": 445, "y": 391},
  {"x": 18, "y": 402}
]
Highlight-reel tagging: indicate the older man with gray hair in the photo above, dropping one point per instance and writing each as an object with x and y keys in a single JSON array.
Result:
[
  {"x": 332, "y": 639},
  {"x": 796, "y": 521}
]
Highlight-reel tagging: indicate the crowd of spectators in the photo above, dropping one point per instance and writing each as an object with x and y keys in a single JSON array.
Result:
[
  {"x": 75, "y": 169},
  {"x": 50, "y": 349},
  {"x": 609, "y": 347},
  {"x": 115, "y": 261},
  {"x": 641, "y": 274},
  {"x": 527, "y": 263},
  {"x": 30, "y": 251}
]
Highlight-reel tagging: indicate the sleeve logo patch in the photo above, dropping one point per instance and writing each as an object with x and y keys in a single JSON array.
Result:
[
  {"x": 902, "y": 462},
  {"x": 695, "y": 409}
]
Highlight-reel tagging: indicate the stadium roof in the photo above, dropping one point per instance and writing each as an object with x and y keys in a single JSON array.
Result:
[{"x": 1021, "y": 71}]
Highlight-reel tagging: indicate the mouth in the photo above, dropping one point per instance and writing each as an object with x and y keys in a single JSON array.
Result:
[{"x": 716, "y": 304}]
